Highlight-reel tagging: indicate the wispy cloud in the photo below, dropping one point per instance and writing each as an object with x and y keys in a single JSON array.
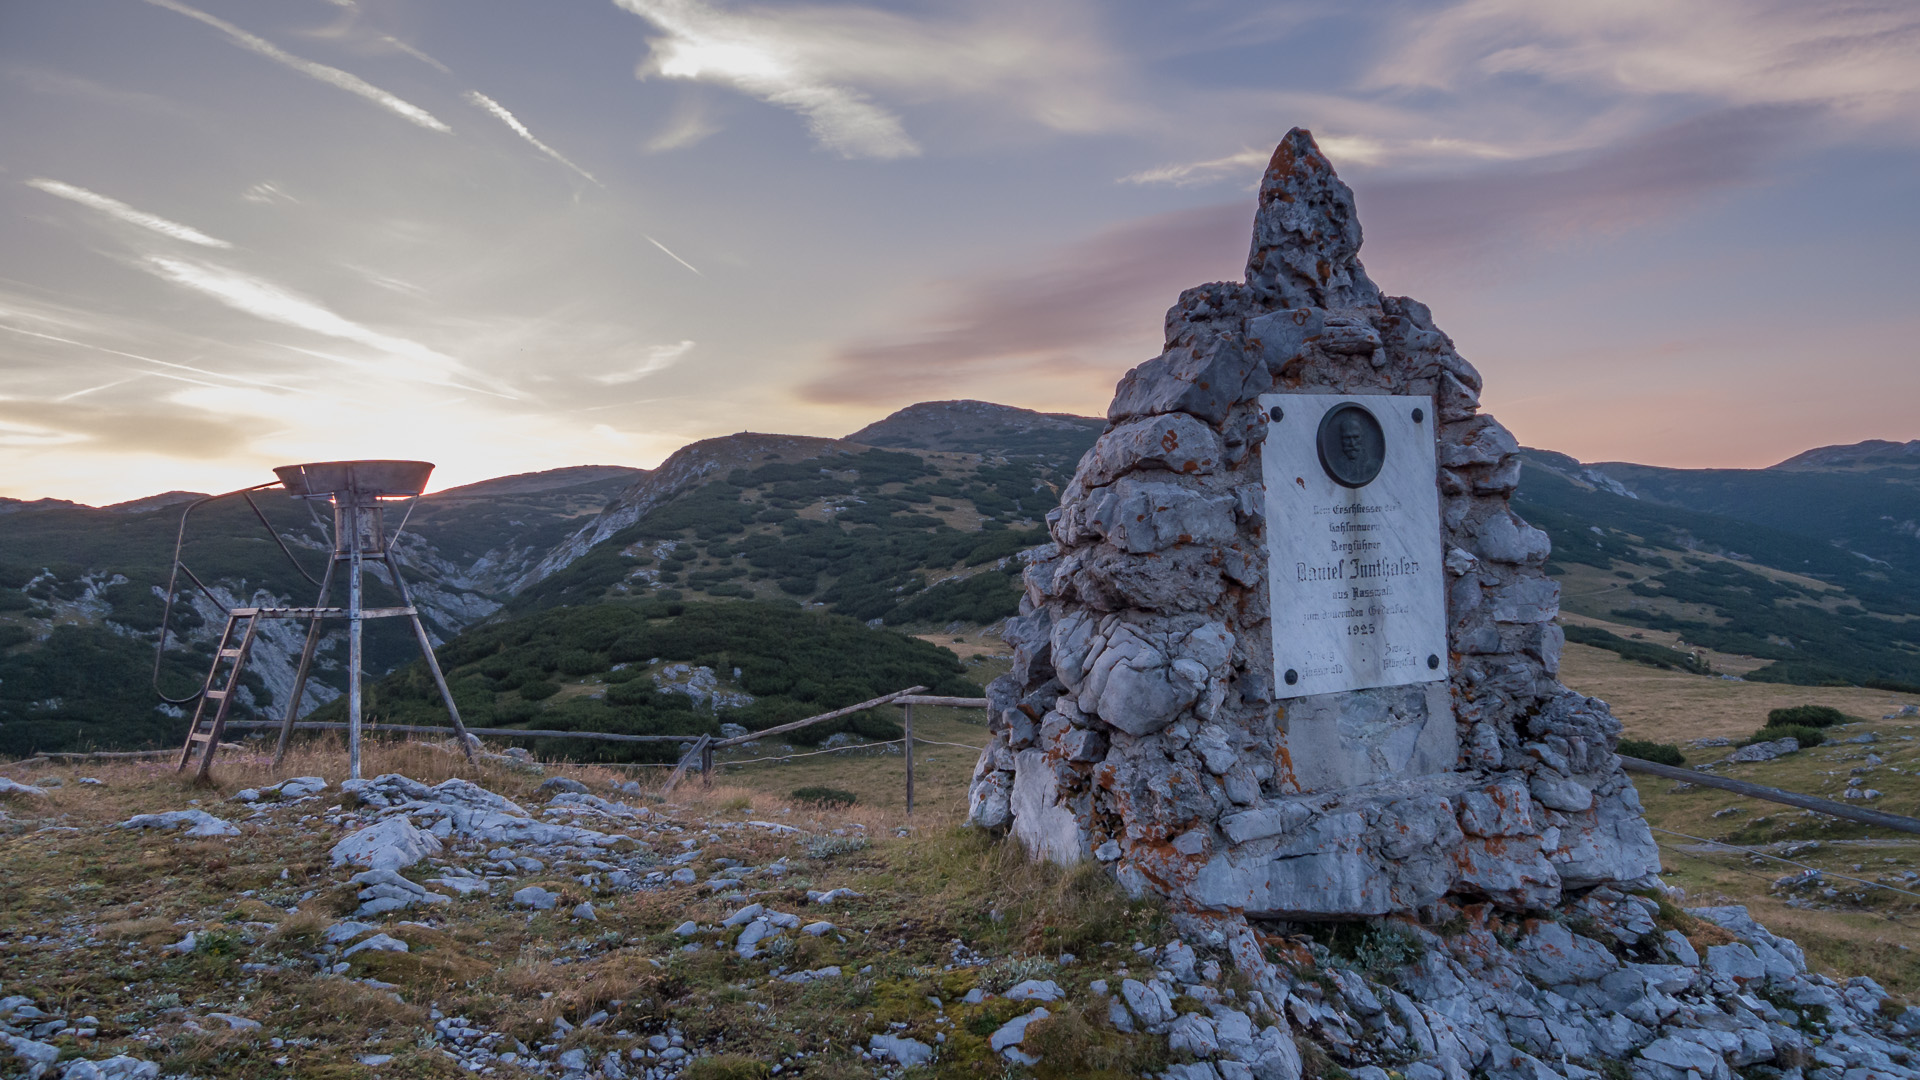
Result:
[
  {"x": 265, "y": 300},
  {"x": 165, "y": 369},
  {"x": 267, "y": 193},
  {"x": 352, "y": 84},
  {"x": 115, "y": 208},
  {"x": 657, "y": 358},
  {"x": 672, "y": 256},
  {"x": 1064, "y": 323},
  {"x": 520, "y": 129},
  {"x": 1520, "y": 208},
  {"x": 389, "y": 39},
  {"x": 752, "y": 55},
  {"x": 1857, "y": 56},
  {"x": 688, "y": 125},
  {"x": 1243, "y": 164},
  {"x": 828, "y": 63}
]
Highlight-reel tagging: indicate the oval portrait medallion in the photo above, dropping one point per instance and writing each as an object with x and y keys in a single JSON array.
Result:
[{"x": 1352, "y": 446}]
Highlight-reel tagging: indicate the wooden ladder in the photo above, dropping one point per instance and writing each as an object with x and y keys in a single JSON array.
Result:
[{"x": 219, "y": 689}]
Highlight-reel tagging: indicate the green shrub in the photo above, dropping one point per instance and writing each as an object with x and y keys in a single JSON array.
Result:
[
  {"x": 511, "y": 711},
  {"x": 630, "y": 692},
  {"x": 1810, "y": 716},
  {"x": 581, "y": 662},
  {"x": 1807, "y": 736},
  {"x": 539, "y": 689},
  {"x": 1643, "y": 652},
  {"x": 825, "y": 796},
  {"x": 1657, "y": 752}
]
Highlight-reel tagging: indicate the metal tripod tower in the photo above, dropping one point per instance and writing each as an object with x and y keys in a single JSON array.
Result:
[{"x": 356, "y": 490}]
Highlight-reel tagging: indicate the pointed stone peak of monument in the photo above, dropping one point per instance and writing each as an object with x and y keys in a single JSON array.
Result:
[{"x": 1306, "y": 234}]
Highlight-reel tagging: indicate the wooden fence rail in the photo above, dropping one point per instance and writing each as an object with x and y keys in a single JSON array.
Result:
[
  {"x": 1772, "y": 794},
  {"x": 700, "y": 753}
]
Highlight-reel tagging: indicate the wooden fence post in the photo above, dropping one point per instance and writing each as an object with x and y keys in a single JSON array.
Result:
[
  {"x": 908, "y": 710},
  {"x": 697, "y": 753},
  {"x": 706, "y": 765}
]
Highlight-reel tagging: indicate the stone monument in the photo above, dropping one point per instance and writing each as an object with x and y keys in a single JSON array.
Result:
[{"x": 1291, "y": 653}]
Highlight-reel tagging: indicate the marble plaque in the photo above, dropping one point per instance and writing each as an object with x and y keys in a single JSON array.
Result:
[{"x": 1353, "y": 543}]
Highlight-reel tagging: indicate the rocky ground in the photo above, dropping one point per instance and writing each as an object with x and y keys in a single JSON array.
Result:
[{"x": 437, "y": 921}]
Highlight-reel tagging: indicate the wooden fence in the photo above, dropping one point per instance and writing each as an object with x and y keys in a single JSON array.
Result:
[{"x": 700, "y": 754}]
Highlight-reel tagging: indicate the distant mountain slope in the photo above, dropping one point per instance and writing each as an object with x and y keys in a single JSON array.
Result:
[
  {"x": 852, "y": 524},
  {"x": 1857, "y": 499},
  {"x": 1871, "y": 454},
  {"x": 686, "y": 468},
  {"x": 573, "y": 476},
  {"x": 1759, "y": 562},
  {"x": 918, "y": 519},
  {"x": 981, "y": 427},
  {"x": 79, "y": 611}
]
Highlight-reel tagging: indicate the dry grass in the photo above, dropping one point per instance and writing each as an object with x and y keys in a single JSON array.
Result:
[
  {"x": 1671, "y": 706},
  {"x": 1874, "y": 934},
  {"x": 83, "y": 912}
]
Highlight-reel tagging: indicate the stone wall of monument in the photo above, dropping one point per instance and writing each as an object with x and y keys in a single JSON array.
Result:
[{"x": 1140, "y": 724}]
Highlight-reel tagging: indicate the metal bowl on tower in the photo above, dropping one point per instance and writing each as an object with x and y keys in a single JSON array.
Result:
[{"x": 379, "y": 479}]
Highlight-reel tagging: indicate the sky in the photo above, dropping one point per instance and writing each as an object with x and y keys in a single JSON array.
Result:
[{"x": 511, "y": 235}]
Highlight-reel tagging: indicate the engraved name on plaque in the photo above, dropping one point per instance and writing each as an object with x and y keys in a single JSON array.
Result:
[{"x": 1353, "y": 543}]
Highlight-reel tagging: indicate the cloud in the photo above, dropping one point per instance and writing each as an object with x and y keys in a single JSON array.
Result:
[
  {"x": 396, "y": 43},
  {"x": 1077, "y": 319},
  {"x": 352, "y": 84},
  {"x": 167, "y": 369},
  {"x": 688, "y": 125},
  {"x": 115, "y": 208},
  {"x": 672, "y": 256},
  {"x": 1243, "y": 164},
  {"x": 265, "y": 300},
  {"x": 751, "y": 54},
  {"x": 1546, "y": 202},
  {"x": 144, "y": 428},
  {"x": 827, "y": 63},
  {"x": 1858, "y": 55},
  {"x": 658, "y": 358},
  {"x": 520, "y": 129},
  {"x": 267, "y": 193},
  {"x": 43, "y": 81},
  {"x": 1345, "y": 151}
]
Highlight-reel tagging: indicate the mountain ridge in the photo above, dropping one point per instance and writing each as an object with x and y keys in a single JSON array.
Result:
[{"x": 1812, "y": 570}]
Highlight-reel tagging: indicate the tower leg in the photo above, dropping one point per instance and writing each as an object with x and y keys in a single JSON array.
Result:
[
  {"x": 433, "y": 663},
  {"x": 306, "y": 665},
  {"x": 354, "y": 626}
]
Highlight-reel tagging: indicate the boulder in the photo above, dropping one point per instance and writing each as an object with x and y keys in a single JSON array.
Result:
[
  {"x": 388, "y": 844},
  {"x": 194, "y": 822}
]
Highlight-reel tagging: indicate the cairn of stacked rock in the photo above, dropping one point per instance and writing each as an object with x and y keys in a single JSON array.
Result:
[{"x": 1141, "y": 725}]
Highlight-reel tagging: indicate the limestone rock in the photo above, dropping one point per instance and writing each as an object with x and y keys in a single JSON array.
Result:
[
  {"x": 389, "y": 844},
  {"x": 377, "y": 943},
  {"x": 194, "y": 822},
  {"x": 1763, "y": 751},
  {"x": 901, "y": 1050},
  {"x": 537, "y": 898},
  {"x": 383, "y": 891}
]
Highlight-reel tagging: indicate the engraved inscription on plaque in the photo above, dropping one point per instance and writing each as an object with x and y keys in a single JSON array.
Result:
[{"x": 1353, "y": 543}]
